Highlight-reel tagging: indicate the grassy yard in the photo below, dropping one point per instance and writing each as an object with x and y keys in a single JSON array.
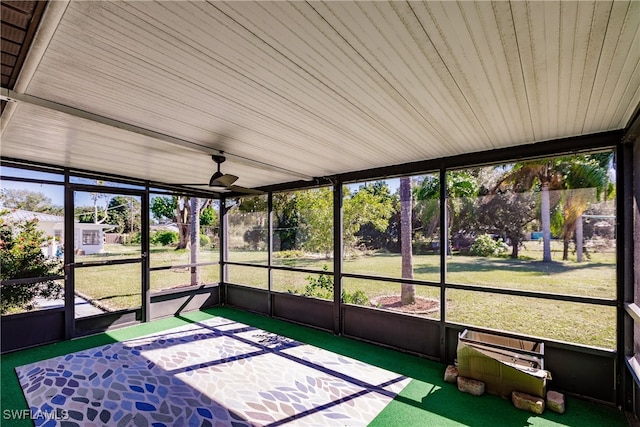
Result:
[{"x": 119, "y": 286}]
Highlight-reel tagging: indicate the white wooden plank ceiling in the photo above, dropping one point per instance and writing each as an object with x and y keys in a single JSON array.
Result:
[{"x": 321, "y": 88}]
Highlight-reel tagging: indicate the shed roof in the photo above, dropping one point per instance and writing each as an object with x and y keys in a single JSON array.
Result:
[{"x": 22, "y": 215}]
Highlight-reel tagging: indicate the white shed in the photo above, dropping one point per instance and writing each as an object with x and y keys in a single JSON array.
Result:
[{"x": 88, "y": 237}]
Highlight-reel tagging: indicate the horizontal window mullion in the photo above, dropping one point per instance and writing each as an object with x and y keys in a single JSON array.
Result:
[
  {"x": 534, "y": 294},
  {"x": 169, "y": 267},
  {"x": 246, "y": 264},
  {"x": 30, "y": 180},
  {"x": 301, "y": 270},
  {"x": 391, "y": 279},
  {"x": 504, "y": 291},
  {"x": 89, "y": 188},
  {"x": 106, "y": 262},
  {"x": 29, "y": 280}
]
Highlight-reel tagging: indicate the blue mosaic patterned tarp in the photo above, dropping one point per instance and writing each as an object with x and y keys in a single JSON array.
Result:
[{"x": 212, "y": 373}]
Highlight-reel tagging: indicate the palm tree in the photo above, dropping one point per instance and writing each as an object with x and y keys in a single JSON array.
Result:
[
  {"x": 560, "y": 173},
  {"x": 584, "y": 176},
  {"x": 461, "y": 186},
  {"x": 547, "y": 174}
]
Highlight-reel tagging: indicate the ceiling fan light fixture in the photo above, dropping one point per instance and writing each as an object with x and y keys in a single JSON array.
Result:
[
  {"x": 223, "y": 182},
  {"x": 213, "y": 182}
]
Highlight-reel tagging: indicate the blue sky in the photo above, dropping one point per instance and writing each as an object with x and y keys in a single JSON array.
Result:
[{"x": 56, "y": 192}]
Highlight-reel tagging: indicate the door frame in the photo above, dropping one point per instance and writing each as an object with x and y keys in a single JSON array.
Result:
[{"x": 101, "y": 322}]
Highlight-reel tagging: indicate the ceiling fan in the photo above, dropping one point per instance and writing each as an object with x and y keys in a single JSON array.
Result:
[{"x": 223, "y": 182}]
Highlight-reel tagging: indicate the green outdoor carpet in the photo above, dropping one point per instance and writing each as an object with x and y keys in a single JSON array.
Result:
[{"x": 426, "y": 401}]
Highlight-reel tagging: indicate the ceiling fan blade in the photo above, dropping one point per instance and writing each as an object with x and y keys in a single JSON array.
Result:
[
  {"x": 243, "y": 190},
  {"x": 200, "y": 184}
]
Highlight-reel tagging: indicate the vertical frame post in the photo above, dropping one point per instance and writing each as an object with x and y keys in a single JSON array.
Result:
[
  {"x": 337, "y": 256},
  {"x": 270, "y": 251},
  {"x": 146, "y": 262},
  {"x": 625, "y": 283},
  {"x": 69, "y": 259},
  {"x": 224, "y": 222},
  {"x": 444, "y": 249}
]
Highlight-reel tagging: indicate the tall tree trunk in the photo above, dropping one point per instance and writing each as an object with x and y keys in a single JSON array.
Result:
[
  {"x": 565, "y": 248},
  {"x": 579, "y": 239},
  {"x": 515, "y": 243},
  {"x": 408, "y": 291},
  {"x": 195, "y": 240},
  {"x": 95, "y": 197},
  {"x": 182, "y": 215},
  {"x": 545, "y": 214}
]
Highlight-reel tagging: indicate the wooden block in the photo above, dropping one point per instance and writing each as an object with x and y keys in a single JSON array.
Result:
[
  {"x": 555, "y": 402},
  {"x": 527, "y": 402},
  {"x": 468, "y": 385},
  {"x": 451, "y": 374}
]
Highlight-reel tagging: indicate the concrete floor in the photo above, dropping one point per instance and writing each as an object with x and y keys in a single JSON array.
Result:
[{"x": 83, "y": 307}]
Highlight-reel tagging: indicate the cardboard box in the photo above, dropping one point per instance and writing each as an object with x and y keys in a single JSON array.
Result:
[{"x": 504, "y": 364}]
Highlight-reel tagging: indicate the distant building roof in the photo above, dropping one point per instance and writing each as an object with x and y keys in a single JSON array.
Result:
[{"x": 22, "y": 215}]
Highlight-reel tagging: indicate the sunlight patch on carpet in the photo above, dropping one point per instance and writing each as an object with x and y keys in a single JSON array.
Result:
[{"x": 215, "y": 372}]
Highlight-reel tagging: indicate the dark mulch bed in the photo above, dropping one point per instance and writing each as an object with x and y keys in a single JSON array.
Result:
[{"x": 393, "y": 302}]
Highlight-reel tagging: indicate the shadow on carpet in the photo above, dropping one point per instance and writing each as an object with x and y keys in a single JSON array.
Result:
[{"x": 212, "y": 372}]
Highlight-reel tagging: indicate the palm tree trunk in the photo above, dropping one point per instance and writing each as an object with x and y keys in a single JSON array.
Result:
[
  {"x": 545, "y": 214},
  {"x": 408, "y": 291},
  {"x": 579, "y": 237}
]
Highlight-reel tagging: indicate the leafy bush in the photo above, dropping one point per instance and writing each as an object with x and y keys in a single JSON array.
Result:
[
  {"x": 288, "y": 254},
  {"x": 358, "y": 298},
  {"x": 136, "y": 238},
  {"x": 21, "y": 257},
  {"x": 322, "y": 287},
  {"x": 205, "y": 241},
  {"x": 165, "y": 237},
  {"x": 208, "y": 216},
  {"x": 486, "y": 246},
  {"x": 422, "y": 245}
]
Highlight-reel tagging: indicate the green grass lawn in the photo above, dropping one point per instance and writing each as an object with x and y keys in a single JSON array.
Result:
[{"x": 117, "y": 287}]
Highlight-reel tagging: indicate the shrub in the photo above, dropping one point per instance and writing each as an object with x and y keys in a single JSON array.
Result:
[
  {"x": 205, "y": 241},
  {"x": 166, "y": 237},
  {"x": 322, "y": 287},
  {"x": 288, "y": 254},
  {"x": 21, "y": 257},
  {"x": 358, "y": 297},
  {"x": 136, "y": 238},
  {"x": 486, "y": 246}
]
